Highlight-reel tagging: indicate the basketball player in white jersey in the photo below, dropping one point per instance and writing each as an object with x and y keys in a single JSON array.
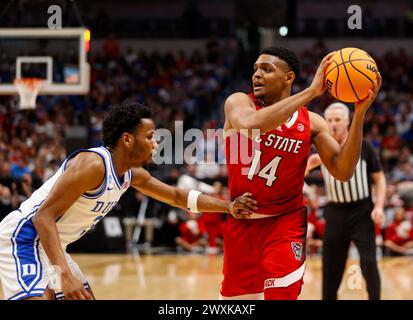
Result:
[{"x": 89, "y": 183}]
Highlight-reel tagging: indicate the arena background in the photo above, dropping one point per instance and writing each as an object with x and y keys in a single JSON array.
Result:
[{"x": 183, "y": 58}]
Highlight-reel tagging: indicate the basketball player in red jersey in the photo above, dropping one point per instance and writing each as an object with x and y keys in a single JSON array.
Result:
[{"x": 264, "y": 255}]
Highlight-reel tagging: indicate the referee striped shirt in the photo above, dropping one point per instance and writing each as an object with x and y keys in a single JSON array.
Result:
[{"x": 358, "y": 188}]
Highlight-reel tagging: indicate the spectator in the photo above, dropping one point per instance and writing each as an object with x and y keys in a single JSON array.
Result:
[
  {"x": 391, "y": 144},
  {"x": 19, "y": 168},
  {"x": 25, "y": 188},
  {"x": 192, "y": 234},
  {"x": 398, "y": 237},
  {"x": 8, "y": 201},
  {"x": 403, "y": 172},
  {"x": 407, "y": 137},
  {"x": 111, "y": 47},
  {"x": 375, "y": 137}
]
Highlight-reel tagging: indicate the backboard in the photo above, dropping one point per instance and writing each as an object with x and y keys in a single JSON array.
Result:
[{"x": 59, "y": 57}]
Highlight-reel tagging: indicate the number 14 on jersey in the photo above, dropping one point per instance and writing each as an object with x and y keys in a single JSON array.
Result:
[{"x": 268, "y": 172}]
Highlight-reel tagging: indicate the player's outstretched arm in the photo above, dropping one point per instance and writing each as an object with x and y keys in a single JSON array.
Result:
[
  {"x": 152, "y": 187},
  {"x": 85, "y": 172},
  {"x": 241, "y": 113},
  {"x": 341, "y": 161}
]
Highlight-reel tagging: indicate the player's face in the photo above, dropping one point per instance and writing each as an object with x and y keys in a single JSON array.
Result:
[
  {"x": 144, "y": 143},
  {"x": 271, "y": 76},
  {"x": 337, "y": 122}
]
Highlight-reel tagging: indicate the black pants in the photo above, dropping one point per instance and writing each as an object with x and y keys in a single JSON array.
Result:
[{"x": 344, "y": 225}]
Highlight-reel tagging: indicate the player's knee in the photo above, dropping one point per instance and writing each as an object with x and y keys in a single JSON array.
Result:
[{"x": 284, "y": 293}]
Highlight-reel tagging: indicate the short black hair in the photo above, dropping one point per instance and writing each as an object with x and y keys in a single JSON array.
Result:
[
  {"x": 124, "y": 117},
  {"x": 287, "y": 56}
]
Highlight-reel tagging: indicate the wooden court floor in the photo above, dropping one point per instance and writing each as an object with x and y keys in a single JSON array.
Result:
[{"x": 127, "y": 276}]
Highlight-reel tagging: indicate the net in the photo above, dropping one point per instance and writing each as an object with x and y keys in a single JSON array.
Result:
[{"x": 28, "y": 89}]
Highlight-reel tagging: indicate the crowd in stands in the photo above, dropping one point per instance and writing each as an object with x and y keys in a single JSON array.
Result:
[{"x": 191, "y": 88}]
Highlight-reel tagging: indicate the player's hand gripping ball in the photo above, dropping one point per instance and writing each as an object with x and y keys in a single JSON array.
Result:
[{"x": 351, "y": 74}]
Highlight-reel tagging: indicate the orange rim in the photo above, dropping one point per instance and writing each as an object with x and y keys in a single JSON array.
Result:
[{"x": 31, "y": 83}]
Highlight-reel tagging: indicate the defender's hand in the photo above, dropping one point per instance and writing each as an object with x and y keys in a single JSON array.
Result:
[
  {"x": 317, "y": 86},
  {"x": 243, "y": 206}
]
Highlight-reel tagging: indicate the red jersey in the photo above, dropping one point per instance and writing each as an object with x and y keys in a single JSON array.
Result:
[
  {"x": 271, "y": 166},
  {"x": 399, "y": 232}
]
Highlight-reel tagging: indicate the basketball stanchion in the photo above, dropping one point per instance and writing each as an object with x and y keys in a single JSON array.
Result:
[{"x": 28, "y": 89}]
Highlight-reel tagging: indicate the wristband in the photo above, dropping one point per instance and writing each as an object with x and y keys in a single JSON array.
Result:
[{"x": 192, "y": 204}]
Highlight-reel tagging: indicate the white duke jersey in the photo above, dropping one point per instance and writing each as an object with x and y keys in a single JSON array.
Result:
[{"x": 86, "y": 211}]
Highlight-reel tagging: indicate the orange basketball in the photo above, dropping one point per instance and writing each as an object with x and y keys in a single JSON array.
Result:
[{"x": 351, "y": 74}]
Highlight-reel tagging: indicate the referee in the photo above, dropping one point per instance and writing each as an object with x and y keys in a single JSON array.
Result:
[{"x": 350, "y": 214}]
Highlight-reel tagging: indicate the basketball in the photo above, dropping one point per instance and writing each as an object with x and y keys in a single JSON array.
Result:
[{"x": 351, "y": 74}]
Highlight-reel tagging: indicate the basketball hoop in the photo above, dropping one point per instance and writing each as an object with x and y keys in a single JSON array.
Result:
[{"x": 28, "y": 89}]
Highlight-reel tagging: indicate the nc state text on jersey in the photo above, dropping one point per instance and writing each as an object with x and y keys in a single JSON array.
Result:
[{"x": 280, "y": 143}]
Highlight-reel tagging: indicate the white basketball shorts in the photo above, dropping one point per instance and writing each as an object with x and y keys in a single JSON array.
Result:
[{"x": 25, "y": 270}]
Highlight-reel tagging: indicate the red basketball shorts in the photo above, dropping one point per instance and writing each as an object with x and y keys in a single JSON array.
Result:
[{"x": 260, "y": 254}]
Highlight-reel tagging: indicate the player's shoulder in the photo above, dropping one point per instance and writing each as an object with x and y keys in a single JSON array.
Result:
[
  {"x": 238, "y": 97},
  {"x": 85, "y": 170},
  {"x": 90, "y": 162}
]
